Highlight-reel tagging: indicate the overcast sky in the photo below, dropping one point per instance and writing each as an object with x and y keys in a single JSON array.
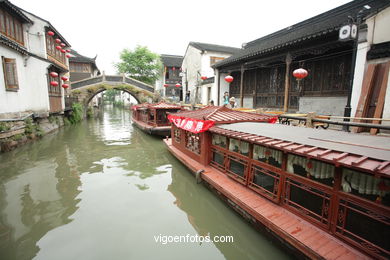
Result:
[{"x": 104, "y": 28}]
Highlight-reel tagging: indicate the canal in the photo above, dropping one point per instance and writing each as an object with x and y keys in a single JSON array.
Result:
[{"x": 103, "y": 189}]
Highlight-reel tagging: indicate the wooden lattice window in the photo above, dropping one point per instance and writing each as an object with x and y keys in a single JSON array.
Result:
[
  {"x": 239, "y": 146},
  {"x": 219, "y": 140},
  {"x": 11, "y": 27},
  {"x": 10, "y": 74},
  {"x": 54, "y": 90},
  {"x": 177, "y": 135},
  {"x": 192, "y": 142},
  {"x": 267, "y": 155}
]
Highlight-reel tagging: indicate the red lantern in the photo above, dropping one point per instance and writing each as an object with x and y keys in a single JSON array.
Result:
[
  {"x": 62, "y": 50},
  {"x": 300, "y": 73},
  {"x": 50, "y": 33},
  {"x": 58, "y": 41},
  {"x": 53, "y": 74},
  {"x": 173, "y": 68},
  {"x": 68, "y": 56},
  {"x": 65, "y": 85},
  {"x": 54, "y": 83},
  {"x": 64, "y": 78},
  {"x": 203, "y": 77},
  {"x": 58, "y": 47},
  {"x": 67, "y": 50},
  {"x": 178, "y": 85},
  {"x": 166, "y": 85},
  {"x": 62, "y": 44},
  {"x": 228, "y": 79}
]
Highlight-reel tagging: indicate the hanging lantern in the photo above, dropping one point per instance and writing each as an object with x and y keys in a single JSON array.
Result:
[
  {"x": 62, "y": 50},
  {"x": 50, "y": 33},
  {"x": 64, "y": 78},
  {"x": 173, "y": 68},
  {"x": 53, "y": 74},
  {"x": 166, "y": 85},
  {"x": 228, "y": 79},
  {"x": 58, "y": 41},
  {"x": 54, "y": 83},
  {"x": 67, "y": 50},
  {"x": 178, "y": 85},
  {"x": 65, "y": 86},
  {"x": 58, "y": 47},
  {"x": 63, "y": 44},
  {"x": 68, "y": 56},
  {"x": 300, "y": 73},
  {"x": 203, "y": 77}
]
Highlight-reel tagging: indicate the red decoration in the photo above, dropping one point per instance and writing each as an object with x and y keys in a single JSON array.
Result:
[
  {"x": 50, "y": 33},
  {"x": 58, "y": 47},
  {"x": 62, "y": 44},
  {"x": 173, "y": 68},
  {"x": 300, "y": 73},
  {"x": 62, "y": 50},
  {"x": 67, "y": 50},
  {"x": 229, "y": 79},
  {"x": 65, "y": 85},
  {"x": 58, "y": 41},
  {"x": 64, "y": 78},
  {"x": 53, "y": 74},
  {"x": 166, "y": 85},
  {"x": 203, "y": 77},
  {"x": 178, "y": 85},
  {"x": 54, "y": 83},
  {"x": 193, "y": 125},
  {"x": 68, "y": 56},
  {"x": 309, "y": 165}
]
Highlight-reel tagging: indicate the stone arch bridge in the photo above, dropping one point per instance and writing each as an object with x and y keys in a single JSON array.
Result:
[{"x": 84, "y": 90}]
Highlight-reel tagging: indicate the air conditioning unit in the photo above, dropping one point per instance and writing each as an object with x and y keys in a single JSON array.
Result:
[{"x": 348, "y": 32}]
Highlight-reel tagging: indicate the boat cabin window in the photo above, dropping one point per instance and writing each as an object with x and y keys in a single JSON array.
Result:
[
  {"x": 162, "y": 116},
  {"x": 237, "y": 167},
  {"x": 267, "y": 155},
  {"x": 266, "y": 180},
  {"x": 192, "y": 142},
  {"x": 219, "y": 140},
  {"x": 366, "y": 186},
  {"x": 218, "y": 159},
  {"x": 312, "y": 169},
  {"x": 177, "y": 135},
  {"x": 239, "y": 146}
]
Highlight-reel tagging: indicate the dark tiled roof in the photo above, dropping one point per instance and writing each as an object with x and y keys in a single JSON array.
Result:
[
  {"x": 77, "y": 57},
  {"x": 12, "y": 44},
  {"x": 368, "y": 153},
  {"x": 214, "y": 47},
  {"x": 223, "y": 115},
  {"x": 13, "y": 8},
  {"x": 320, "y": 25},
  {"x": 171, "y": 60},
  {"x": 380, "y": 50}
]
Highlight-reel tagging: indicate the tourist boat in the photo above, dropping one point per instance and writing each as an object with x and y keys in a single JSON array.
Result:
[
  {"x": 152, "y": 118},
  {"x": 325, "y": 193}
]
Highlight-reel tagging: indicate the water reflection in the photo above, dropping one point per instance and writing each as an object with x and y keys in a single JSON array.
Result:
[{"x": 103, "y": 189}]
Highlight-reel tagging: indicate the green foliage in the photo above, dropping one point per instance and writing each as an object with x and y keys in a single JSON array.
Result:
[
  {"x": 77, "y": 113},
  {"x": 51, "y": 119},
  {"x": 17, "y": 137},
  {"x": 89, "y": 112},
  {"x": 66, "y": 121},
  {"x": 38, "y": 131},
  {"x": 110, "y": 94},
  {"x": 29, "y": 126},
  {"x": 4, "y": 127},
  {"x": 141, "y": 64},
  {"x": 118, "y": 103}
]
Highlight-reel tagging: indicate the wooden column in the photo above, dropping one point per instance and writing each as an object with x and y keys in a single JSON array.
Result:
[
  {"x": 218, "y": 87},
  {"x": 287, "y": 82},
  {"x": 242, "y": 87}
]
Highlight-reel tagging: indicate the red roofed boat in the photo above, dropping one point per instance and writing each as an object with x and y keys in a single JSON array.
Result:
[
  {"x": 324, "y": 192},
  {"x": 152, "y": 118}
]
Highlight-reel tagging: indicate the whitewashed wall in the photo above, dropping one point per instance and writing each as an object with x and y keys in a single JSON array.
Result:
[
  {"x": 191, "y": 66},
  {"x": 377, "y": 32}
]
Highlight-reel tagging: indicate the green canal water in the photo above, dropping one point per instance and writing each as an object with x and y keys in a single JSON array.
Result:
[{"x": 103, "y": 189}]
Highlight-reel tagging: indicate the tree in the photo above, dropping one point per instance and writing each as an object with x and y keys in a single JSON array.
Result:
[{"x": 141, "y": 64}]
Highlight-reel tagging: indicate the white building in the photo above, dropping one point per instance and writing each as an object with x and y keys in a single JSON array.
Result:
[
  {"x": 197, "y": 62},
  {"x": 28, "y": 55},
  {"x": 371, "y": 86},
  {"x": 170, "y": 76}
]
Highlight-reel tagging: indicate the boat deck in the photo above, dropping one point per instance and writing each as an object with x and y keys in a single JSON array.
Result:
[
  {"x": 155, "y": 130},
  {"x": 304, "y": 236}
]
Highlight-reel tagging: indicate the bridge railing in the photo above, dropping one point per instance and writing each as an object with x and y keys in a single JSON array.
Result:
[{"x": 112, "y": 78}]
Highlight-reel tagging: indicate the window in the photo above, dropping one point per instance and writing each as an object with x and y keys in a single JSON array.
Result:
[
  {"x": 177, "y": 135},
  {"x": 218, "y": 159},
  {"x": 11, "y": 27},
  {"x": 366, "y": 186},
  {"x": 312, "y": 169},
  {"x": 266, "y": 181},
  {"x": 214, "y": 60},
  {"x": 192, "y": 142},
  {"x": 219, "y": 140},
  {"x": 267, "y": 155},
  {"x": 10, "y": 74},
  {"x": 239, "y": 146},
  {"x": 237, "y": 167},
  {"x": 52, "y": 51},
  {"x": 54, "y": 91}
]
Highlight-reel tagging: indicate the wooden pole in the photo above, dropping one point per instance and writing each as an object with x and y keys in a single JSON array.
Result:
[
  {"x": 219, "y": 87},
  {"x": 242, "y": 87},
  {"x": 287, "y": 82}
]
